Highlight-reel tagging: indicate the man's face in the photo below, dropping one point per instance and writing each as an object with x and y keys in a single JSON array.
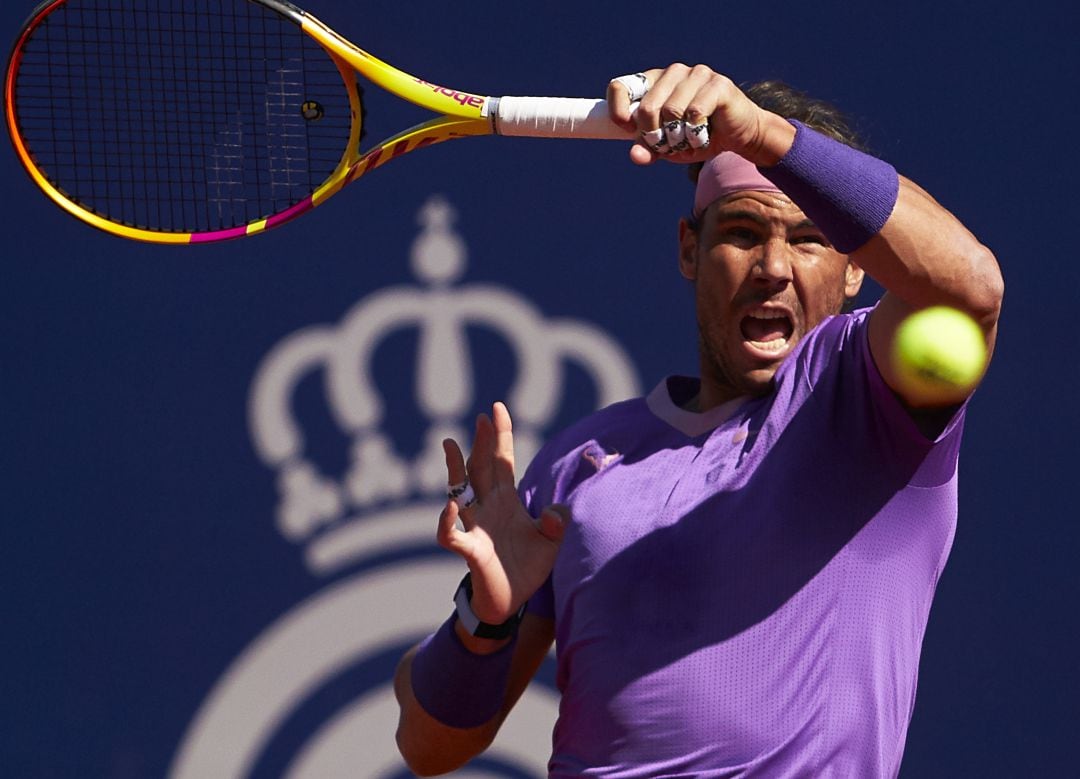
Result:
[{"x": 764, "y": 275}]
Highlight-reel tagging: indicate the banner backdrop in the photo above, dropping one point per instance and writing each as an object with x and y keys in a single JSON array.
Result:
[{"x": 221, "y": 465}]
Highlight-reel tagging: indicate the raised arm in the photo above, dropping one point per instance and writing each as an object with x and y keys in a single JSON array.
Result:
[
  {"x": 894, "y": 230},
  {"x": 924, "y": 256},
  {"x": 906, "y": 241}
]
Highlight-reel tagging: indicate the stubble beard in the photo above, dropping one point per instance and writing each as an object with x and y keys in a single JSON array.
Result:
[{"x": 716, "y": 368}]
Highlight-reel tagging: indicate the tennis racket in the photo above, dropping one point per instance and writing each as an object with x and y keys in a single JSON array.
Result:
[{"x": 191, "y": 121}]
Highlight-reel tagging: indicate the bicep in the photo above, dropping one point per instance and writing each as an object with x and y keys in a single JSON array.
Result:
[
  {"x": 885, "y": 319},
  {"x": 925, "y": 257},
  {"x": 890, "y": 312}
]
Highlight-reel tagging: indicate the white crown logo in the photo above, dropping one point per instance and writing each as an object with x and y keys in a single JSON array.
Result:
[{"x": 385, "y": 500}]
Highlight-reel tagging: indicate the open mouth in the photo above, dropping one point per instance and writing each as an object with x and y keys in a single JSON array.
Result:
[{"x": 768, "y": 330}]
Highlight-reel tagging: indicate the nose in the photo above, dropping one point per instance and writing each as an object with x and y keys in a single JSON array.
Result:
[{"x": 774, "y": 265}]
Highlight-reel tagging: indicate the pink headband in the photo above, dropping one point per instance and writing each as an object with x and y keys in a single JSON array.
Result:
[{"x": 724, "y": 174}]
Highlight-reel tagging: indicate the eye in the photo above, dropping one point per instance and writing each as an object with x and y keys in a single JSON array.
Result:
[
  {"x": 739, "y": 235},
  {"x": 810, "y": 239}
]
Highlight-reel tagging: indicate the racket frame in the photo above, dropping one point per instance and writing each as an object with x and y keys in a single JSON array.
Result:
[{"x": 459, "y": 114}]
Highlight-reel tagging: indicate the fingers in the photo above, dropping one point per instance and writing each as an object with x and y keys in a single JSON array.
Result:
[
  {"x": 673, "y": 118},
  {"x": 670, "y": 96},
  {"x": 491, "y": 461},
  {"x": 623, "y": 94},
  {"x": 450, "y": 537},
  {"x": 460, "y": 494},
  {"x": 504, "y": 445},
  {"x": 490, "y": 464},
  {"x": 455, "y": 462},
  {"x": 480, "y": 465},
  {"x": 552, "y": 522}
]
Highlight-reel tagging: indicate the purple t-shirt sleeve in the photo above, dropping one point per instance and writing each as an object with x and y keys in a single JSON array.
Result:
[{"x": 835, "y": 366}]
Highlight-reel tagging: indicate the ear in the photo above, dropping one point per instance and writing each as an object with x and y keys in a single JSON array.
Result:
[
  {"x": 853, "y": 279},
  {"x": 688, "y": 243}
]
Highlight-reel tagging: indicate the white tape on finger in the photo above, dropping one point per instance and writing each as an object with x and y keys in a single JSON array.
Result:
[
  {"x": 697, "y": 135},
  {"x": 655, "y": 140},
  {"x": 675, "y": 132},
  {"x": 467, "y": 497},
  {"x": 462, "y": 494},
  {"x": 637, "y": 85}
]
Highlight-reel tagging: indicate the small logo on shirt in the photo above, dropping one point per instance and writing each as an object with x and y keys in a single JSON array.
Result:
[
  {"x": 599, "y": 458},
  {"x": 743, "y": 434}
]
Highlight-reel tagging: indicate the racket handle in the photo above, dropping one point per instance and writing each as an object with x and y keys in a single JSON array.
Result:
[{"x": 555, "y": 117}]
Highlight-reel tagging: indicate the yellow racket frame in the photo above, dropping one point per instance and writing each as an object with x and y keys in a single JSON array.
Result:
[{"x": 462, "y": 114}]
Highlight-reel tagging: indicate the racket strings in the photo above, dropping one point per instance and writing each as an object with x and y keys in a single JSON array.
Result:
[{"x": 180, "y": 115}]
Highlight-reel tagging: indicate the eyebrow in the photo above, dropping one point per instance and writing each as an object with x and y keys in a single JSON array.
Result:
[
  {"x": 752, "y": 216},
  {"x": 735, "y": 215}
]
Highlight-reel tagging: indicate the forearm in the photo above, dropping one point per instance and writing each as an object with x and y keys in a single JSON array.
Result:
[
  {"x": 924, "y": 256},
  {"x": 428, "y": 746},
  {"x": 889, "y": 226},
  {"x": 431, "y": 746}
]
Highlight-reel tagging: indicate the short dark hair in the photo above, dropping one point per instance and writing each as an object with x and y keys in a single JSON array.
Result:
[{"x": 791, "y": 103}]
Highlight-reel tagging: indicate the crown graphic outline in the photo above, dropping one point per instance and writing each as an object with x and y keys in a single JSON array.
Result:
[{"x": 385, "y": 500}]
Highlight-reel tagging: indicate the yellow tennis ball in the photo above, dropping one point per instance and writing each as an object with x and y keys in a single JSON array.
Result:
[{"x": 938, "y": 356}]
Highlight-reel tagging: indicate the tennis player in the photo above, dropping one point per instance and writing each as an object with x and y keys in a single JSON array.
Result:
[{"x": 737, "y": 569}]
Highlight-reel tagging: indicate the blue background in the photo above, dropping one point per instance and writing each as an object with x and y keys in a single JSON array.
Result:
[{"x": 139, "y": 554}]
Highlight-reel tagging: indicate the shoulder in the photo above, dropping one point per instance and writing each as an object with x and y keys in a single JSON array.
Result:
[
  {"x": 834, "y": 372},
  {"x": 594, "y": 436},
  {"x": 829, "y": 360},
  {"x": 611, "y": 421},
  {"x": 836, "y": 341}
]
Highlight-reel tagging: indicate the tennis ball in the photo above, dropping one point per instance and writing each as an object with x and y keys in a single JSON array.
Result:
[{"x": 938, "y": 355}]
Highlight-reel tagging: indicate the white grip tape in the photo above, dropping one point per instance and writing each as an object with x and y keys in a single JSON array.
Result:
[{"x": 555, "y": 117}]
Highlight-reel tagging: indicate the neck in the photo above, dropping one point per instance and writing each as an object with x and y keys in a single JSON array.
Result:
[{"x": 711, "y": 394}]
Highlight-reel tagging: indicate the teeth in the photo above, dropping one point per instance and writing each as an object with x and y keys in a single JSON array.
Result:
[{"x": 776, "y": 345}]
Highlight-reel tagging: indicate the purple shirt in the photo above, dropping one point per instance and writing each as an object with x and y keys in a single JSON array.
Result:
[{"x": 744, "y": 592}]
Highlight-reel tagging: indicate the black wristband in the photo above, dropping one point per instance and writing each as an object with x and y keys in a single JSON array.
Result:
[{"x": 472, "y": 624}]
